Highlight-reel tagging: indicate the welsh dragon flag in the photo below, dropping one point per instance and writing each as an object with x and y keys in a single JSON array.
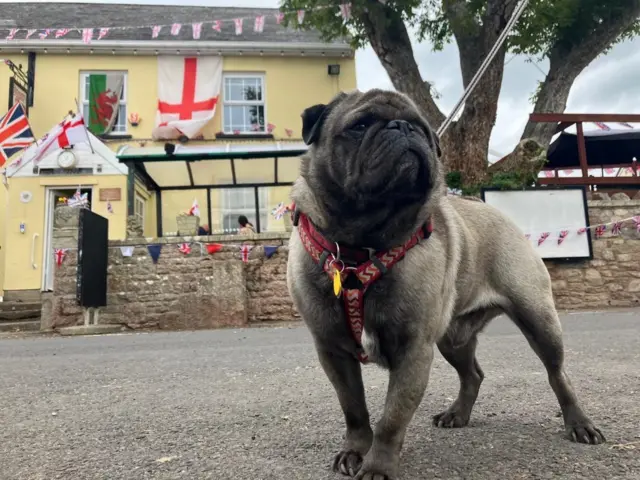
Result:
[
  {"x": 188, "y": 93},
  {"x": 104, "y": 90}
]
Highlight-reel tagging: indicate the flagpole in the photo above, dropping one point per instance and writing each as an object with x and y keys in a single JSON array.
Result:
[{"x": 86, "y": 130}]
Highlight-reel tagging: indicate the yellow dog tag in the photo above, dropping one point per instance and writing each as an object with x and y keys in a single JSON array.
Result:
[{"x": 337, "y": 282}]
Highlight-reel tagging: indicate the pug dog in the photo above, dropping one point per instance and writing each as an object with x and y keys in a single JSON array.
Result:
[{"x": 383, "y": 266}]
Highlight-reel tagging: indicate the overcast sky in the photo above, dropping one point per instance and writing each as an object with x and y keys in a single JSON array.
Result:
[{"x": 609, "y": 85}]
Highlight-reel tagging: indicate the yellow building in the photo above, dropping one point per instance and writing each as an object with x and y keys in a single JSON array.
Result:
[{"x": 285, "y": 71}]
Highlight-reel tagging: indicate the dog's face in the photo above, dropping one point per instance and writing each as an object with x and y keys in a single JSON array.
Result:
[{"x": 373, "y": 163}]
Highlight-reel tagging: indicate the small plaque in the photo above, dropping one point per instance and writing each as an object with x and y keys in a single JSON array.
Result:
[{"x": 110, "y": 194}]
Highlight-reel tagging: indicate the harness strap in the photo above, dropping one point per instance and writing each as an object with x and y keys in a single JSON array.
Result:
[{"x": 326, "y": 254}]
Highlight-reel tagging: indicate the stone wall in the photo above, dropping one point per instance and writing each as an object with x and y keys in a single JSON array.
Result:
[
  {"x": 612, "y": 277},
  {"x": 197, "y": 290}
]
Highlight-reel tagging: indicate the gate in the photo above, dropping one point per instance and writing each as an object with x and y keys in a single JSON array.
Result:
[{"x": 91, "y": 281}]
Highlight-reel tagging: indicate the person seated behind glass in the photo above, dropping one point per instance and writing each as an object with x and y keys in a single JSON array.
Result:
[
  {"x": 246, "y": 228},
  {"x": 203, "y": 230}
]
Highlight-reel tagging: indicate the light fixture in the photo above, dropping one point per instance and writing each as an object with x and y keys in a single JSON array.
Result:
[
  {"x": 333, "y": 70},
  {"x": 113, "y": 52},
  {"x": 177, "y": 52},
  {"x": 68, "y": 51},
  {"x": 197, "y": 52},
  {"x": 261, "y": 53},
  {"x": 156, "y": 52},
  {"x": 135, "y": 52},
  {"x": 45, "y": 50},
  {"x": 22, "y": 51},
  {"x": 91, "y": 51}
]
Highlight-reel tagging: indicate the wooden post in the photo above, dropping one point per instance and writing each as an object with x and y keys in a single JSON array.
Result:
[{"x": 582, "y": 151}]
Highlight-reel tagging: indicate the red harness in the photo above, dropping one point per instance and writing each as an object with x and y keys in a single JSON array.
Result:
[{"x": 364, "y": 266}]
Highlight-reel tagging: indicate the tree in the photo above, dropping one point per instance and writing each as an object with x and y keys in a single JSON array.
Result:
[{"x": 570, "y": 33}]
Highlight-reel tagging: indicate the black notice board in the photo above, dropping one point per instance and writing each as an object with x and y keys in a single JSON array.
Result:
[{"x": 93, "y": 253}]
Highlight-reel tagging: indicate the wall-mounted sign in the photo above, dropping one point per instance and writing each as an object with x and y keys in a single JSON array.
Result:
[
  {"x": 17, "y": 94},
  {"x": 110, "y": 194}
]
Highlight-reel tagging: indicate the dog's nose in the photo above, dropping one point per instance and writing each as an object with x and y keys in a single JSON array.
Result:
[{"x": 402, "y": 125}]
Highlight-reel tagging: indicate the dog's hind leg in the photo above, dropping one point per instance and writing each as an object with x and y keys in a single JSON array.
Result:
[
  {"x": 458, "y": 347},
  {"x": 536, "y": 316}
]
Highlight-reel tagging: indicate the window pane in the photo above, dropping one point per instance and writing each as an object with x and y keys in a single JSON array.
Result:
[
  {"x": 269, "y": 198},
  {"x": 86, "y": 88},
  {"x": 85, "y": 113},
  {"x": 234, "y": 89},
  {"x": 244, "y": 118}
]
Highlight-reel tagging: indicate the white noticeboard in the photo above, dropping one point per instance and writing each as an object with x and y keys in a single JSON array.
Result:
[{"x": 542, "y": 211}]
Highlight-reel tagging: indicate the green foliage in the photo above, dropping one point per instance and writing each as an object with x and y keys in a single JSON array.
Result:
[
  {"x": 501, "y": 180},
  {"x": 545, "y": 23}
]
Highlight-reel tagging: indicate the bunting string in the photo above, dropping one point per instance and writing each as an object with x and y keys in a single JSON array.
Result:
[{"x": 257, "y": 23}]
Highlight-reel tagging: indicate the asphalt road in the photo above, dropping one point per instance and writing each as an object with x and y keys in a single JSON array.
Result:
[{"x": 254, "y": 404}]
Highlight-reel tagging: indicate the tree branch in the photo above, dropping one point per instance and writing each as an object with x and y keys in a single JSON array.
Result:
[
  {"x": 566, "y": 62},
  {"x": 390, "y": 40}
]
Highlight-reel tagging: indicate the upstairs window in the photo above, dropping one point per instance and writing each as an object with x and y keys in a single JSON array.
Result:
[
  {"x": 244, "y": 110},
  {"x": 96, "y": 108}
]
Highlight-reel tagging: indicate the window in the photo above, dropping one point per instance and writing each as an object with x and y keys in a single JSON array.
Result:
[
  {"x": 243, "y": 104},
  {"x": 120, "y": 125},
  {"x": 241, "y": 201},
  {"x": 138, "y": 208}
]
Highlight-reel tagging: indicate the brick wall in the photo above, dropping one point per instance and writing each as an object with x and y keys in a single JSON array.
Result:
[{"x": 207, "y": 291}]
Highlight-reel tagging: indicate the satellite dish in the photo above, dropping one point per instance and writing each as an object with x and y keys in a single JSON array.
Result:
[{"x": 25, "y": 197}]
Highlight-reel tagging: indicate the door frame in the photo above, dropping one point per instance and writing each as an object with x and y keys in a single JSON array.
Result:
[{"x": 48, "y": 261}]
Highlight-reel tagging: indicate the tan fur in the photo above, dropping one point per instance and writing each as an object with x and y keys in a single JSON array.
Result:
[{"x": 475, "y": 266}]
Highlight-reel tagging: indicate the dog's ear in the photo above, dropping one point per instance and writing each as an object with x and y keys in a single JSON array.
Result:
[{"x": 312, "y": 120}]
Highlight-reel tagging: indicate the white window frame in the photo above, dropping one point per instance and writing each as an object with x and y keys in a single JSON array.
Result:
[
  {"x": 248, "y": 103},
  {"x": 228, "y": 210},
  {"x": 84, "y": 102},
  {"x": 139, "y": 201}
]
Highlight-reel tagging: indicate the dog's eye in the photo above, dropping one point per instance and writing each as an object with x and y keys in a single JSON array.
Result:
[{"x": 361, "y": 125}]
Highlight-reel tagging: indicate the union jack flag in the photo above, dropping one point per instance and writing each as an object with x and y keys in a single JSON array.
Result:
[
  {"x": 543, "y": 237},
  {"x": 602, "y": 126},
  {"x": 582, "y": 230},
  {"x": 15, "y": 133},
  {"x": 616, "y": 229},
  {"x": 245, "y": 250},
  {"x": 600, "y": 229},
  {"x": 280, "y": 211},
  {"x": 185, "y": 248},
  {"x": 562, "y": 235},
  {"x": 61, "y": 32}
]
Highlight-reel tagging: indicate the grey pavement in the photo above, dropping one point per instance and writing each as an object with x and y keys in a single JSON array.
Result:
[{"x": 253, "y": 404}]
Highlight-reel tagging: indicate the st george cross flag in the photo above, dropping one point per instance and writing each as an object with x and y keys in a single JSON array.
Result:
[
  {"x": 258, "y": 25},
  {"x": 15, "y": 133},
  {"x": 66, "y": 134},
  {"x": 245, "y": 250},
  {"x": 87, "y": 35},
  {"x": 60, "y": 254},
  {"x": 195, "y": 209},
  {"x": 188, "y": 92}
]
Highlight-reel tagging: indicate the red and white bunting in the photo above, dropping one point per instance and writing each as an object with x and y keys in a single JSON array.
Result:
[
  {"x": 197, "y": 30},
  {"x": 270, "y": 127},
  {"x": 258, "y": 25},
  {"x": 155, "y": 31},
  {"x": 175, "y": 29},
  {"x": 60, "y": 254},
  {"x": 30, "y": 32},
  {"x": 602, "y": 126},
  {"x": 217, "y": 26},
  {"x": 61, "y": 32},
  {"x": 103, "y": 33},
  {"x": 279, "y": 17},
  {"x": 246, "y": 250},
  {"x": 12, "y": 34},
  {"x": 625, "y": 124},
  {"x": 636, "y": 220},
  {"x": 609, "y": 171},
  {"x": 301, "y": 16},
  {"x": 345, "y": 11},
  {"x": 582, "y": 231},
  {"x": 44, "y": 34},
  {"x": 543, "y": 237},
  {"x": 238, "y": 23},
  {"x": 288, "y": 131},
  {"x": 87, "y": 35},
  {"x": 184, "y": 248}
]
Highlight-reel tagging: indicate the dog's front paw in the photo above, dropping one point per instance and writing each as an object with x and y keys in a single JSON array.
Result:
[
  {"x": 585, "y": 432},
  {"x": 347, "y": 462},
  {"x": 454, "y": 417},
  {"x": 379, "y": 467}
]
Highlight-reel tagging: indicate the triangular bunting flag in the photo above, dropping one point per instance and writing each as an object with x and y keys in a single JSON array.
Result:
[
  {"x": 543, "y": 237},
  {"x": 103, "y": 33},
  {"x": 345, "y": 11},
  {"x": 60, "y": 254},
  {"x": 246, "y": 250},
  {"x": 301, "y": 16},
  {"x": 175, "y": 29},
  {"x": 238, "y": 22},
  {"x": 562, "y": 235},
  {"x": 636, "y": 220},
  {"x": 214, "y": 248},
  {"x": 184, "y": 248},
  {"x": 600, "y": 229},
  {"x": 154, "y": 251},
  {"x": 616, "y": 228},
  {"x": 127, "y": 251},
  {"x": 217, "y": 25},
  {"x": 269, "y": 251}
]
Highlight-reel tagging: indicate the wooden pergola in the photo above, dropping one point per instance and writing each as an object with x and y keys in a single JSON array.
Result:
[{"x": 566, "y": 120}]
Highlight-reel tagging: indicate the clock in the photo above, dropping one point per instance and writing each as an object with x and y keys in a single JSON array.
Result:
[{"x": 67, "y": 159}]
